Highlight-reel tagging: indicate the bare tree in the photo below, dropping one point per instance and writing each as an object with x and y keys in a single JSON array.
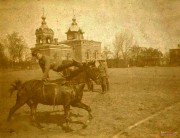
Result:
[
  {"x": 16, "y": 46},
  {"x": 107, "y": 52},
  {"x": 122, "y": 44}
]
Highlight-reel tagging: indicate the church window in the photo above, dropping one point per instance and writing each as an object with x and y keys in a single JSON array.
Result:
[
  {"x": 88, "y": 54},
  {"x": 48, "y": 40},
  {"x": 95, "y": 55},
  {"x": 40, "y": 41}
]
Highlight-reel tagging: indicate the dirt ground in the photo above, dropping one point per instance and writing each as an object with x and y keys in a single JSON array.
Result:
[{"x": 141, "y": 103}]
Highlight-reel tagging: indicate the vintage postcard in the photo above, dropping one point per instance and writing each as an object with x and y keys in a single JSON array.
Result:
[{"x": 93, "y": 69}]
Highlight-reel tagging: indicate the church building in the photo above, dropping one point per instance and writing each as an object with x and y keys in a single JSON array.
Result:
[{"x": 75, "y": 46}]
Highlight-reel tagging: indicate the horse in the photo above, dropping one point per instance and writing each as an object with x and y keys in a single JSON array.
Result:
[
  {"x": 68, "y": 94},
  {"x": 82, "y": 76}
]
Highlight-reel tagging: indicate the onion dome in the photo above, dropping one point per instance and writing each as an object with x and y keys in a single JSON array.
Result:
[
  {"x": 74, "y": 31},
  {"x": 74, "y": 26},
  {"x": 44, "y": 34},
  {"x": 44, "y": 29}
]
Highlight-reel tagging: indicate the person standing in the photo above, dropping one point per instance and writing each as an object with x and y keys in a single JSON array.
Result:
[
  {"x": 103, "y": 75},
  {"x": 107, "y": 79}
]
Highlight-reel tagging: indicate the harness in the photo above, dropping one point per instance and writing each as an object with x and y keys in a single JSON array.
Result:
[
  {"x": 69, "y": 84},
  {"x": 55, "y": 92}
]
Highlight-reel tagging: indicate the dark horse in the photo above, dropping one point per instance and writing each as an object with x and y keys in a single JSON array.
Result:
[
  {"x": 82, "y": 76},
  {"x": 33, "y": 92}
]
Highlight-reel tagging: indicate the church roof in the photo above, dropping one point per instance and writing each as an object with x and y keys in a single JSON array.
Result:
[
  {"x": 44, "y": 29},
  {"x": 74, "y": 26}
]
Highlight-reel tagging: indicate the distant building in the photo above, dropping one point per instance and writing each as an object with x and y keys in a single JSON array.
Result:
[
  {"x": 175, "y": 56},
  {"x": 74, "y": 47},
  {"x": 83, "y": 50},
  {"x": 49, "y": 45}
]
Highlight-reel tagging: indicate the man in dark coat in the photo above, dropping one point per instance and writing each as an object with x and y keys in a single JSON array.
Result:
[
  {"x": 103, "y": 75},
  {"x": 47, "y": 64}
]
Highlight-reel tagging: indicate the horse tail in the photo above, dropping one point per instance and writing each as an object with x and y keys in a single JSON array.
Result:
[{"x": 15, "y": 86}]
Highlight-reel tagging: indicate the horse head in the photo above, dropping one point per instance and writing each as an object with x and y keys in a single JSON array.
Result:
[
  {"x": 92, "y": 72},
  {"x": 86, "y": 72}
]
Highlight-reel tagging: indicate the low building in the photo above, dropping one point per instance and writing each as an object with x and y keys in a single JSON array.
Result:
[{"x": 175, "y": 56}]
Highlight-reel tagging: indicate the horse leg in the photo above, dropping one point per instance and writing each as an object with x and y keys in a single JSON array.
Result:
[
  {"x": 104, "y": 87},
  {"x": 88, "y": 85},
  {"x": 67, "y": 116},
  {"x": 33, "y": 107},
  {"x": 30, "y": 106},
  {"x": 91, "y": 87},
  {"x": 85, "y": 107},
  {"x": 107, "y": 84},
  {"x": 16, "y": 107},
  {"x": 34, "y": 115}
]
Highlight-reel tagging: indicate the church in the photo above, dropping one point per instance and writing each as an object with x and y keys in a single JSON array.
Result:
[{"x": 75, "y": 46}]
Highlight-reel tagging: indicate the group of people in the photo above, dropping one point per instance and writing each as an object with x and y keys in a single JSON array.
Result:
[{"x": 46, "y": 64}]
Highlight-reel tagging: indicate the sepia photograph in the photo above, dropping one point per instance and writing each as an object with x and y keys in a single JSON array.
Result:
[{"x": 90, "y": 69}]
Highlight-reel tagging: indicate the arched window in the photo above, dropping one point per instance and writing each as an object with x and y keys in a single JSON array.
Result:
[
  {"x": 40, "y": 41},
  {"x": 95, "y": 55},
  {"x": 48, "y": 40},
  {"x": 88, "y": 55}
]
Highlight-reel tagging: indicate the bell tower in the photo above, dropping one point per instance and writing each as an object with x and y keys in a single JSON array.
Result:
[
  {"x": 44, "y": 34},
  {"x": 83, "y": 50},
  {"x": 74, "y": 32},
  {"x": 48, "y": 45}
]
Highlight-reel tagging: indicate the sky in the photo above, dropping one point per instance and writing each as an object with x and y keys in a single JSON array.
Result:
[{"x": 153, "y": 23}]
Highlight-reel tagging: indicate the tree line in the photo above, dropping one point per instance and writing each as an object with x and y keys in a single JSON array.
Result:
[{"x": 126, "y": 52}]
